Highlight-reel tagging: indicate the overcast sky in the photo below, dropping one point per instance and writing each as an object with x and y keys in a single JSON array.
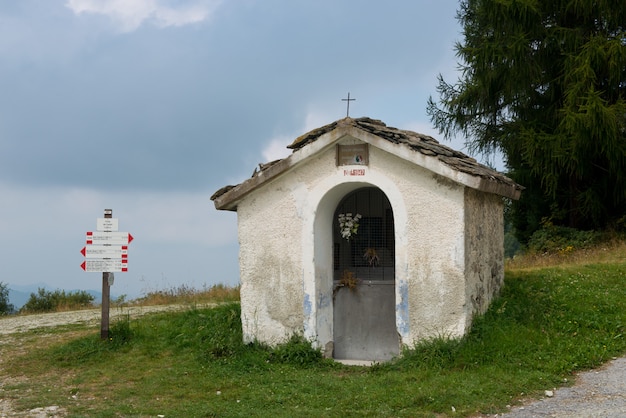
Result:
[{"x": 149, "y": 106}]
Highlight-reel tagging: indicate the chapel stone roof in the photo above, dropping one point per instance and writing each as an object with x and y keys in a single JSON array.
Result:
[
  {"x": 421, "y": 143},
  {"x": 417, "y": 142}
]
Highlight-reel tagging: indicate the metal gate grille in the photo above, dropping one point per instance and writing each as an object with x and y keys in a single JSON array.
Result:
[{"x": 363, "y": 236}]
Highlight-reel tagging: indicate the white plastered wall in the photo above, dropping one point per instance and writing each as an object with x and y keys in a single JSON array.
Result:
[
  {"x": 285, "y": 234},
  {"x": 270, "y": 266}
]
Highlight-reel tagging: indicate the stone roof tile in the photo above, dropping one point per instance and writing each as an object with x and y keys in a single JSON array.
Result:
[{"x": 424, "y": 144}]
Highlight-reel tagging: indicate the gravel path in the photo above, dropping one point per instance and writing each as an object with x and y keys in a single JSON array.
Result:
[
  {"x": 12, "y": 324},
  {"x": 599, "y": 393}
]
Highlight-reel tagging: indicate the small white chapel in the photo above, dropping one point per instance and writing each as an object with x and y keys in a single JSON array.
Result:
[{"x": 367, "y": 238}]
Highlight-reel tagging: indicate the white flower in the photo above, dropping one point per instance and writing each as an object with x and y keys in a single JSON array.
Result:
[{"x": 348, "y": 225}]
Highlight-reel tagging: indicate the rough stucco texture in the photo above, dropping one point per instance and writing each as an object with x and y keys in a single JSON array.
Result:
[
  {"x": 484, "y": 249},
  {"x": 270, "y": 267}
]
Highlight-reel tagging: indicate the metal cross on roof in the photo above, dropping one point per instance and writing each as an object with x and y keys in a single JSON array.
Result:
[{"x": 348, "y": 100}]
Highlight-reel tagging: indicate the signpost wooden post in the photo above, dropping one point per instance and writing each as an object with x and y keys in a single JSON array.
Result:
[
  {"x": 106, "y": 251},
  {"x": 106, "y": 293}
]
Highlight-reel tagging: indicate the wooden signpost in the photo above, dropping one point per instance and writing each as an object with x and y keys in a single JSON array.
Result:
[{"x": 106, "y": 251}]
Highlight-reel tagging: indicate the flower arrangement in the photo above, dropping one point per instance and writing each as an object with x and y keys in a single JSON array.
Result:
[
  {"x": 348, "y": 280},
  {"x": 348, "y": 225}
]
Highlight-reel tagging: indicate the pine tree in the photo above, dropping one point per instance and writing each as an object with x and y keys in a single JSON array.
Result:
[{"x": 544, "y": 82}]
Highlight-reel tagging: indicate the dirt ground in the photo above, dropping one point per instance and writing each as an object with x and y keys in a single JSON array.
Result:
[{"x": 11, "y": 325}]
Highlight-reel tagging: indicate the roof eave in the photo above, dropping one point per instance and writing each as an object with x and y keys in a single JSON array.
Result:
[
  {"x": 230, "y": 199},
  {"x": 435, "y": 165}
]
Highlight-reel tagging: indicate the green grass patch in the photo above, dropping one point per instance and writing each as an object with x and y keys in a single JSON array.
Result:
[{"x": 547, "y": 324}]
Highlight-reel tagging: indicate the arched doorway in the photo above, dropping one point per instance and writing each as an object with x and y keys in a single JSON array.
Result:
[{"x": 364, "y": 317}]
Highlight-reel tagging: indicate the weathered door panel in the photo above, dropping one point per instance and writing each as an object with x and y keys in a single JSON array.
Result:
[{"x": 365, "y": 322}]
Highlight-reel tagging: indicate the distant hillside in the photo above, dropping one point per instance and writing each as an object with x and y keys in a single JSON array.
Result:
[{"x": 18, "y": 298}]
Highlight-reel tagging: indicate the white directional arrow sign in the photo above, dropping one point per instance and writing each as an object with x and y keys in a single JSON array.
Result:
[
  {"x": 102, "y": 266},
  {"x": 108, "y": 238},
  {"x": 105, "y": 251}
]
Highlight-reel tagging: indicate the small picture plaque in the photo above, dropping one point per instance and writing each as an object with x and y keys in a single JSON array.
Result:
[{"x": 357, "y": 154}]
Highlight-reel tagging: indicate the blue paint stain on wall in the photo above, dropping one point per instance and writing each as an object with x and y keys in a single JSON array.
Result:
[
  {"x": 402, "y": 309},
  {"x": 308, "y": 307}
]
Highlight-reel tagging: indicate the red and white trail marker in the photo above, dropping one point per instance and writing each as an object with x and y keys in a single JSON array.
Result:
[
  {"x": 106, "y": 248},
  {"x": 108, "y": 238},
  {"x": 105, "y": 265},
  {"x": 105, "y": 251}
]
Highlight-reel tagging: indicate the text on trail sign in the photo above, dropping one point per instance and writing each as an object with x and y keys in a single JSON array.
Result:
[
  {"x": 105, "y": 251},
  {"x": 111, "y": 238},
  {"x": 107, "y": 224},
  {"x": 108, "y": 266}
]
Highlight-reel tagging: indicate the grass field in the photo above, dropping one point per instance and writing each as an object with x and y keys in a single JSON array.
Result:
[{"x": 552, "y": 319}]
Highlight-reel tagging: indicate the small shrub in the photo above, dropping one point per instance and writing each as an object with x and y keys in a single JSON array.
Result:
[
  {"x": 554, "y": 239},
  {"x": 297, "y": 351},
  {"x": 121, "y": 300},
  {"x": 46, "y": 301},
  {"x": 120, "y": 332}
]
